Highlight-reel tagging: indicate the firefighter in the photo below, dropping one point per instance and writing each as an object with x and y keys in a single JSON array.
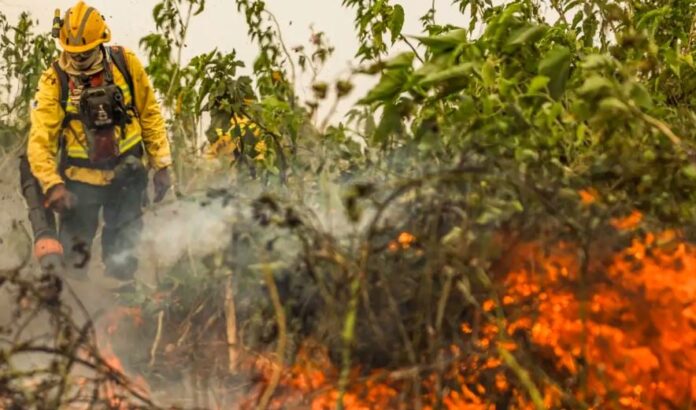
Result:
[
  {"x": 234, "y": 137},
  {"x": 96, "y": 128}
]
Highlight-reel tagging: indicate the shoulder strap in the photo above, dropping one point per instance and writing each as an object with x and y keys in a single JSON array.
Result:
[
  {"x": 64, "y": 83},
  {"x": 118, "y": 57}
]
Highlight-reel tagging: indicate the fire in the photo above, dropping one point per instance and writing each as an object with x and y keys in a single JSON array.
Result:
[
  {"x": 404, "y": 241},
  {"x": 634, "y": 328},
  {"x": 618, "y": 333},
  {"x": 112, "y": 394},
  {"x": 624, "y": 336}
]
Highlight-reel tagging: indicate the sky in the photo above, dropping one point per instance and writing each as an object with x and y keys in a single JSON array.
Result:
[{"x": 221, "y": 26}]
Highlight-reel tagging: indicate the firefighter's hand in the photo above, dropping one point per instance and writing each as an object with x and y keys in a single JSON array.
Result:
[
  {"x": 162, "y": 182},
  {"x": 59, "y": 199}
]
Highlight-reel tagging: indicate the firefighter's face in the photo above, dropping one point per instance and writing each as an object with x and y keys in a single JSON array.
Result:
[{"x": 84, "y": 56}]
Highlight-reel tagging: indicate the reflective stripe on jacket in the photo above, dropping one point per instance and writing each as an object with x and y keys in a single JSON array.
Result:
[{"x": 46, "y": 126}]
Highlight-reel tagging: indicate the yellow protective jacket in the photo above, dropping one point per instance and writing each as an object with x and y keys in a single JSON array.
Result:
[
  {"x": 226, "y": 144},
  {"x": 47, "y": 126}
]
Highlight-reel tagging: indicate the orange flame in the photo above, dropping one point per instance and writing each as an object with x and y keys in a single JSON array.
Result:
[
  {"x": 115, "y": 397},
  {"x": 624, "y": 330}
]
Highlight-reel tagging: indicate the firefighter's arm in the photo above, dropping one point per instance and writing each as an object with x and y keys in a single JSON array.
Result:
[
  {"x": 151, "y": 120},
  {"x": 46, "y": 120}
]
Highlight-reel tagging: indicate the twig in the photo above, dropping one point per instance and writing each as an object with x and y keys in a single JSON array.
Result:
[
  {"x": 282, "y": 338},
  {"x": 231, "y": 325},
  {"x": 439, "y": 317},
  {"x": 282, "y": 44},
  {"x": 662, "y": 127},
  {"x": 184, "y": 32},
  {"x": 411, "y": 46},
  {"x": 71, "y": 361},
  {"x": 329, "y": 114},
  {"x": 158, "y": 336},
  {"x": 692, "y": 36},
  {"x": 348, "y": 334},
  {"x": 100, "y": 366},
  {"x": 509, "y": 360}
]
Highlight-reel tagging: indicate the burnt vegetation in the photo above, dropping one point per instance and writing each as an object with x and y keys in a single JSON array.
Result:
[{"x": 504, "y": 221}]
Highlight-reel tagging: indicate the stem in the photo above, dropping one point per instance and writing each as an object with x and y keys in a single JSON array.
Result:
[
  {"x": 158, "y": 336},
  {"x": 329, "y": 114},
  {"x": 182, "y": 40},
  {"x": 231, "y": 325},
  {"x": 282, "y": 338},
  {"x": 282, "y": 44},
  {"x": 523, "y": 376},
  {"x": 348, "y": 336},
  {"x": 412, "y": 47},
  {"x": 662, "y": 127}
]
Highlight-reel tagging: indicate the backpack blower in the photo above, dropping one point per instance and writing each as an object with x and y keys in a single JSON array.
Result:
[{"x": 47, "y": 248}]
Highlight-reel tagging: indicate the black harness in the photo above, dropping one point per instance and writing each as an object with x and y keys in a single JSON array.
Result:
[{"x": 101, "y": 110}]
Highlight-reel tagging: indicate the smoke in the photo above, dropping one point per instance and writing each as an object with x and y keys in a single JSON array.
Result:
[
  {"x": 193, "y": 227},
  {"x": 190, "y": 227}
]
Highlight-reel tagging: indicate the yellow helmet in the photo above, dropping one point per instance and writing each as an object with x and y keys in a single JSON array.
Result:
[{"x": 83, "y": 29}]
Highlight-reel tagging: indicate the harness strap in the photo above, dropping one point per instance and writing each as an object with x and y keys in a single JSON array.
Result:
[
  {"x": 118, "y": 57},
  {"x": 137, "y": 151},
  {"x": 64, "y": 82}
]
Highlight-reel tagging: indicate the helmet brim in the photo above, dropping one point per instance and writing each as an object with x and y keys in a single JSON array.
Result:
[{"x": 86, "y": 47}]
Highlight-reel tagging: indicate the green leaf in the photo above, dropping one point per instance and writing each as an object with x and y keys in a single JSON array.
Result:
[
  {"x": 156, "y": 11},
  {"x": 391, "y": 122},
  {"x": 526, "y": 155},
  {"x": 445, "y": 41},
  {"x": 596, "y": 61},
  {"x": 201, "y": 7},
  {"x": 595, "y": 85},
  {"x": 453, "y": 237},
  {"x": 401, "y": 60},
  {"x": 689, "y": 171},
  {"x": 388, "y": 87},
  {"x": 650, "y": 20},
  {"x": 490, "y": 215},
  {"x": 556, "y": 65},
  {"x": 467, "y": 107},
  {"x": 396, "y": 23},
  {"x": 459, "y": 71},
  {"x": 488, "y": 73},
  {"x": 525, "y": 35},
  {"x": 538, "y": 83},
  {"x": 580, "y": 133},
  {"x": 577, "y": 19},
  {"x": 641, "y": 96},
  {"x": 612, "y": 105},
  {"x": 437, "y": 63}
]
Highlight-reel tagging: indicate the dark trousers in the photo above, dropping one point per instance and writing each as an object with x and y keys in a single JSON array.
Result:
[{"x": 122, "y": 214}]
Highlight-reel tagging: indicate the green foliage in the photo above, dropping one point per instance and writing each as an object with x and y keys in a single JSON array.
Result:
[
  {"x": 374, "y": 20},
  {"x": 535, "y": 96},
  {"x": 24, "y": 56}
]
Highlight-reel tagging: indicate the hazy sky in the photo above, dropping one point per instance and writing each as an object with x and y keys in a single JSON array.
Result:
[{"x": 223, "y": 27}]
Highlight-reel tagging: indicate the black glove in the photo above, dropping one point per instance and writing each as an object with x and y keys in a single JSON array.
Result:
[
  {"x": 162, "y": 181},
  {"x": 59, "y": 199}
]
